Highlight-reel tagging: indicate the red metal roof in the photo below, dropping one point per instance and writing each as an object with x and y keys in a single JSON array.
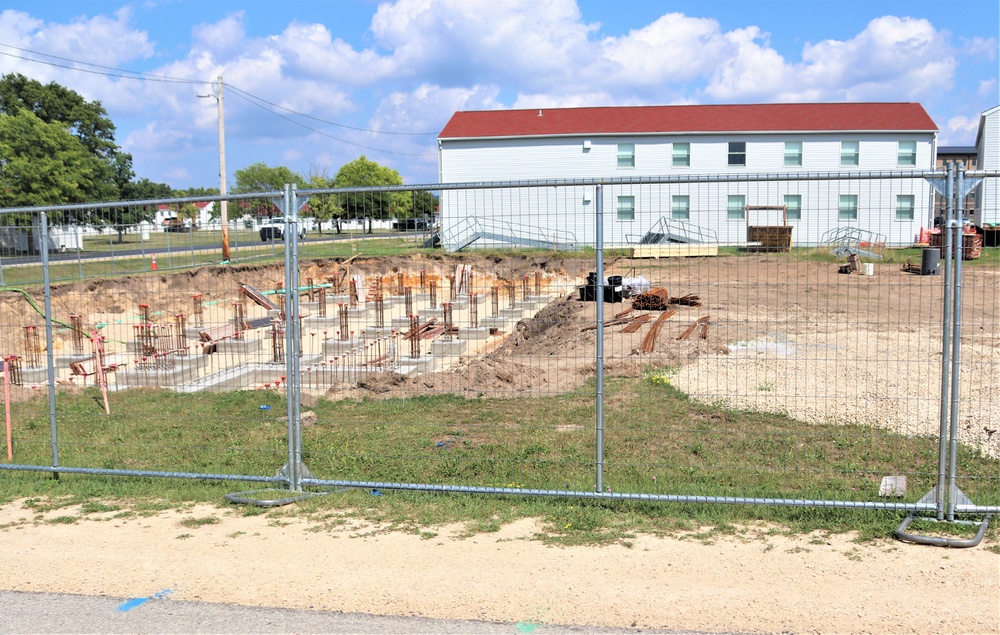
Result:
[{"x": 855, "y": 117}]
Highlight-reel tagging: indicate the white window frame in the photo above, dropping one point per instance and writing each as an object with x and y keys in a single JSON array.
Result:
[
  {"x": 908, "y": 211},
  {"x": 680, "y": 207},
  {"x": 906, "y": 154},
  {"x": 626, "y": 155},
  {"x": 628, "y": 211},
  {"x": 850, "y": 153},
  {"x": 736, "y": 207},
  {"x": 847, "y": 208},
  {"x": 793, "y": 209},
  {"x": 736, "y": 154},
  {"x": 681, "y": 159},
  {"x": 793, "y": 154}
]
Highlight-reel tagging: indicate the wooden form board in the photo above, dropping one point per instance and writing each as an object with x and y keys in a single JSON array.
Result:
[{"x": 674, "y": 250}]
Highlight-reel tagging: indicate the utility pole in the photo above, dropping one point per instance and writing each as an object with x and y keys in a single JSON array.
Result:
[{"x": 223, "y": 205}]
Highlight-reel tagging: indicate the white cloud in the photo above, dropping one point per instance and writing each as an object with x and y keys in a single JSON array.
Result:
[
  {"x": 985, "y": 47},
  {"x": 892, "y": 59},
  {"x": 674, "y": 48},
  {"x": 988, "y": 89},
  {"x": 454, "y": 42}
]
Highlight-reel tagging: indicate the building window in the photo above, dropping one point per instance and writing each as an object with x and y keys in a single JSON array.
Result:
[
  {"x": 737, "y": 153},
  {"x": 736, "y": 207},
  {"x": 848, "y": 207},
  {"x": 682, "y": 155},
  {"x": 626, "y": 208},
  {"x": 907, "y": 153},
  {"x": 626, "y": 155},
  {"x": 793, "y": 154},
  {"x": 680, "y": 207},
  {"x": 904, "y": 206},
  {"x": 850, "y": 153},
  {"x": 793, "y": 206}
]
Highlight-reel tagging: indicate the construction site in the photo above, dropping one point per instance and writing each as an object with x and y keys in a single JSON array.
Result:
[{"x": 755, "y": 331}]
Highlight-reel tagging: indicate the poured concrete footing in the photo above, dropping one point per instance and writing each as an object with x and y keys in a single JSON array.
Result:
[
  {"x": 478, "y": 333},
  {"x": 339, "y": 347},
  {"x": 448, "y": 348},
  {"x": 411, "y": 367},
  {"x": 495, "y": 322}
]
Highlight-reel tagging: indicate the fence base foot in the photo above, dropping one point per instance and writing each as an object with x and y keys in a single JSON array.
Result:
[{"x": 938, "y": 541}]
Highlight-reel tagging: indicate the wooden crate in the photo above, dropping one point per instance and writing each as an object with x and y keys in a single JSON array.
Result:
[{"x": 770, "y": 237}]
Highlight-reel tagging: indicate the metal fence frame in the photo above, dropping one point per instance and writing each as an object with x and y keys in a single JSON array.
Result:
[{"x": 944, "y": 503}]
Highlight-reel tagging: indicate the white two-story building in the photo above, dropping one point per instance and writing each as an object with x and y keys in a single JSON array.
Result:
[{"x": 707, "y": 156}]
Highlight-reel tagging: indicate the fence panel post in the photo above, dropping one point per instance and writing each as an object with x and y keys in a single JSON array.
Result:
[{"x": 50, "y": 356}]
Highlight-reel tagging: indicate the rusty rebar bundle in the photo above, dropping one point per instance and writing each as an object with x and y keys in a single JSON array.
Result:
[{"x": 473, "y": 311}]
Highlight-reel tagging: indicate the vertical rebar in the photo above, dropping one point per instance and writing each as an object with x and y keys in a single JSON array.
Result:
[
  {"x": 76, "y": 325},
  {"x": 433, "y": 292},
  {"x": 473, "y": 311},
  {"x": 198, "y": 311},
  {"x": 310, "y": 290},
  {"x": 446, "y": 310},
  {"x": 495, "y": 300},
  {"x": 353, "y": 289},
  {"x": 379, "y": 310},
  {"x": 322, "y": 302},
  {"x": 423, "y": 281},
  {"x": 538, "y": 284},
  {"x": 452, "y": 289},
  {"x": 180, "y": 319},
  {"x": 511, "y": 295},
  {"x": 32, "y": 346},
  {"x": 400, "y": 283},
  {"x": 414, "y": 336},
  {"x": 408, "y": 301},
  {"x": 524, "y": 288},
  {"x": 345, "y": 323}
]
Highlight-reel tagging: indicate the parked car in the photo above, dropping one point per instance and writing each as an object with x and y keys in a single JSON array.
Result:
[
  {"x": 274, "y": 229},
  {"x": 176, "y": 225}
]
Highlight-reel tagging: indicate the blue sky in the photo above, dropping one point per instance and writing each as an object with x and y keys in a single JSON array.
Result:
[{"x": 314, "y": 84}]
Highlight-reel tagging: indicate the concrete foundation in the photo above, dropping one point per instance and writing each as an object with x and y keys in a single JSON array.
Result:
[
  {"x": 339, "y": 347},
  {"x": 448, "y": 348},
  {"x": 478, "y": 333}
]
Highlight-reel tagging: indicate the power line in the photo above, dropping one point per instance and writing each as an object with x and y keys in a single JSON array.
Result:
[
  {"x": 331, "y": 123},
  {"x": 242, "y": 96},
  {"x": 248, "y": 97},
  {"x": 118, "y": 72}
]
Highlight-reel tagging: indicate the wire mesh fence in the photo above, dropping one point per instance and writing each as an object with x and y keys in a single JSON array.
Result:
[{"x": 775, "y": 339}]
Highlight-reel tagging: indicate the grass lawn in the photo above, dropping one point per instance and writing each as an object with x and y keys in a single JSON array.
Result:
[{"x": 657, "y": 441}]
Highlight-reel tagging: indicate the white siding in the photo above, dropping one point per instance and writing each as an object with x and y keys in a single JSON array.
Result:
[
  {"x": 987, "y": 198},
  {"x": 565, "y": 213}
]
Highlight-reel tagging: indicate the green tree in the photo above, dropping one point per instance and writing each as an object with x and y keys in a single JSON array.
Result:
[
  {"x": 324, "y": 207},
  {"x": 259, "y": 177},
  {"x": 85, "y": 120},
  {"x": 43, "y": 164},
  {"x": 370, "y": 205}
]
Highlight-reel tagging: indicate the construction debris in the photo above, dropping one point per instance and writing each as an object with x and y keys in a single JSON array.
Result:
[
  {"x": 636, "y": 323},
  {"x": 702, "y": 322},
  {"x": 658, "y": 299},
  {"x": 649, "y": 341}
]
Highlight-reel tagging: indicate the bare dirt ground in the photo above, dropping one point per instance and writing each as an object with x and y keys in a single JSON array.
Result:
[
  {"x": 751, "y": 583},
  {"x": 787, "y": 336}
]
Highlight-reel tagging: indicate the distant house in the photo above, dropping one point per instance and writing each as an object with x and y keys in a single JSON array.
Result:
[
  {"x": 968, "y": 158},
  {"x": 692, "y": 141},
  {"x": 987, "y": 205}
]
